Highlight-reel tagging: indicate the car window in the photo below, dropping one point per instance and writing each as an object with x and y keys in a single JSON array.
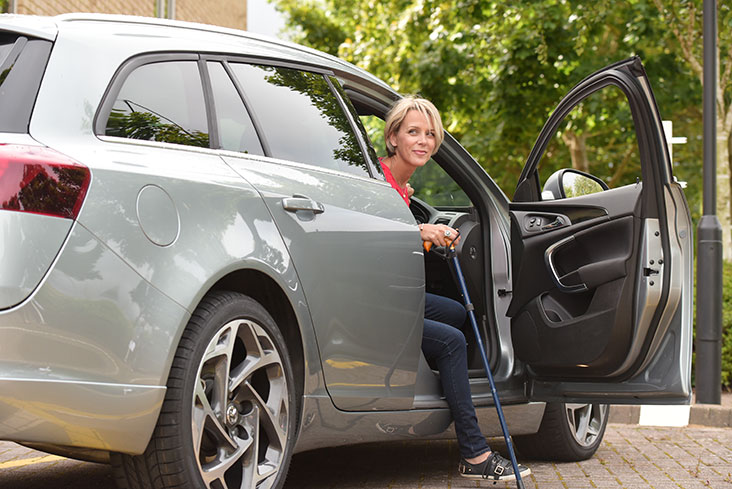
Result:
[
  {"x": 597, "y": 137},
  {"x": 431, "y": 183},
  {"x": 161, "y": 102},
  {"x": 236, "y": 130},
  {"x": 22, "y": 62},
  {"x": 370, "y": 153},
  {"x": 300, "y": 117}
]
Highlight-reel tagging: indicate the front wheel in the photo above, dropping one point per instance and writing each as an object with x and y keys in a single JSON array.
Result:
[
  {"x": 228, "y": 419},
  {"x": 568, "y": 432}
]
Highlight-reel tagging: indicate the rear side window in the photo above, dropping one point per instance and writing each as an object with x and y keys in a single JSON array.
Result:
[
  {"x": 22, "y": 63},
  {"x": 236, "y": 129},
  {"x": 300, "y": 117},
  {"x": 161, "y": 102}
]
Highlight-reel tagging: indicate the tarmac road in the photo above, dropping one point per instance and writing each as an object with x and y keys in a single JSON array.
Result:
[{"x": 631, "y": 456}]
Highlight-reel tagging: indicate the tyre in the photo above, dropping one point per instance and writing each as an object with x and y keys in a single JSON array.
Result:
[
  {"x": 229, "y": 415},
  {"x": 568, "y": 433}
]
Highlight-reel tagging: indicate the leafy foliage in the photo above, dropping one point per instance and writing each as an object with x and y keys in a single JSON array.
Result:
[
  {"x": 496, "y": 69},
  {"x": 580, "y": 185},
  {"x": 148, "y": 126},
  {"x": 727, "y": 325},
  {"x": 726, "y": 328},
  {"x": 597, "y": 137}
]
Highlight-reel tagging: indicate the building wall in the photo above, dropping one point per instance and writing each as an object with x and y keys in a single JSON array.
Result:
[
  {"x": 55, "y": 7},
  {"x": 226, "y": 13}
]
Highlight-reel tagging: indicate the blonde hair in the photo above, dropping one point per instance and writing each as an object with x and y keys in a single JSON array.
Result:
[{"x": 398, "y": 112}]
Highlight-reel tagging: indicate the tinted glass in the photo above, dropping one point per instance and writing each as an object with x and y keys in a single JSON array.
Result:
[
  {"x": 161, "y": 102},
  {"x": 354, "y": 116},
  {"x": 301, "y": 117},
  {"x": 236, "y": 131},
  {"x": 22, "y": 62},
  {"x": 7, "y": 41}
]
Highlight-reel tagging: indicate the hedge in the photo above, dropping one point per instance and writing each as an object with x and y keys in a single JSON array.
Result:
[{"x": 726, "y": 327}]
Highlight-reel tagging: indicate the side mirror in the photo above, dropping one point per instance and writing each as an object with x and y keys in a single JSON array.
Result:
[{"x": 568, "y": 183}]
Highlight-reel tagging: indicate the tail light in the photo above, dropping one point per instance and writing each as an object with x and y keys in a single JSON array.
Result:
[{"x": 40, "y": 180}]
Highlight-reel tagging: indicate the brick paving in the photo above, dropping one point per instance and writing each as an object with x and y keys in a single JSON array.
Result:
[{"x": 630, "y": 457}]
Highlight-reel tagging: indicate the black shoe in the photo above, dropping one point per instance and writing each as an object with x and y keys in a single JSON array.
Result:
[{"x": 494, "y": 467}]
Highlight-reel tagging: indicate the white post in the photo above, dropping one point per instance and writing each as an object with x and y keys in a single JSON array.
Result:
[{"x": 668, "y": 128}]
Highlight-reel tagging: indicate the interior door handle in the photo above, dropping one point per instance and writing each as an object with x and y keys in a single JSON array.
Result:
[
  {"x": 556, "y": 223},
  {"x": 300, "y": 202},
  {"x": 549, "y": 260}
]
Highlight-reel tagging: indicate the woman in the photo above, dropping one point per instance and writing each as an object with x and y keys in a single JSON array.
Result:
[{"x": 413, "y": 133}]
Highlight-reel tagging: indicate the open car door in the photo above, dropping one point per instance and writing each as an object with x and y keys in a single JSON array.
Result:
[{"x": 601, "y": 305}]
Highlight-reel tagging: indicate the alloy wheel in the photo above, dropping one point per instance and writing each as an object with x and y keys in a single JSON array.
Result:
[
  {"x": 240, "y": 409},
  {"x": 586, "y": 421}
]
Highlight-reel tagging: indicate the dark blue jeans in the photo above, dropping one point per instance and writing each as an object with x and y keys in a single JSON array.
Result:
[{"x": 444, "y": 343}]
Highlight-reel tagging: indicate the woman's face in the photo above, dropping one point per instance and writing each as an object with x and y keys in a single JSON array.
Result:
[{"x": 414, "y": 141}]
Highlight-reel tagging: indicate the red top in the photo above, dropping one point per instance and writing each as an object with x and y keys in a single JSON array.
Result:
[{"x": 390, "y": 178}]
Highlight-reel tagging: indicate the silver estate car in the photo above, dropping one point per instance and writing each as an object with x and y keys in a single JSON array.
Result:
[{"x": 205, "y": 272}]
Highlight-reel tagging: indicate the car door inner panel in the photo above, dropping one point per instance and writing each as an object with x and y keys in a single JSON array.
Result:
[{"x": 575, "y": 266}]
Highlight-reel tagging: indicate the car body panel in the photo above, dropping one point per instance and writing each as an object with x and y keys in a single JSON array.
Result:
[
  {"x": 361, "y": 268},
  {"x": 86, "y": 415},
  {"x": 326, "y": 426},
  {"x": 30, "y": 245},
  {"x": 90, "y": 320},
  {"x": 41, "y": 27},
  {"x": 80, "y": 362},
  {"x": 632, "y": 339}
]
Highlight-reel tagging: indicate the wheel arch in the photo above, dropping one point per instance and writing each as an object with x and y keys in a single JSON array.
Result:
[{"x": 265, "y": 290}]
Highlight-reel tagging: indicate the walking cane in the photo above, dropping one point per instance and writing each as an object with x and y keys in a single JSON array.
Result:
[{"x": 451, "y": 256}]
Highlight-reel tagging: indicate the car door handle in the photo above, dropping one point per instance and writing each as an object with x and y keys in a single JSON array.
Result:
[
  {"x": 300, "y": 202},
  {"x": 549, "y": 260},
  {"x": 556, "y": 223}
]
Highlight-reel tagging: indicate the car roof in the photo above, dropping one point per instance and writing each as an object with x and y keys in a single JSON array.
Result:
[
  {"x": 233, "y": 40},
  {"x": 31, "y": 25}
]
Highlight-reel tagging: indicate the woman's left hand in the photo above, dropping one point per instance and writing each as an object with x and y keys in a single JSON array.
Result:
[{"x": 438, "y": 234}]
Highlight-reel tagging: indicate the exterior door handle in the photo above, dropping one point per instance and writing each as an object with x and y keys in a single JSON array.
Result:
[{"x": 300, "y": 202}]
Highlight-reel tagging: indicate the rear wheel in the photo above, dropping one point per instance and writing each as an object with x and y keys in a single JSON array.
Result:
[
  {"x": 228, "y": 419},
  {"x": 568, "y": 432}
]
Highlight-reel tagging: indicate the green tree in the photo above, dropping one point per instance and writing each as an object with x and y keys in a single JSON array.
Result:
[
  {"x": 496, "y": 69},
  {"x": 685, "y": 36}
]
